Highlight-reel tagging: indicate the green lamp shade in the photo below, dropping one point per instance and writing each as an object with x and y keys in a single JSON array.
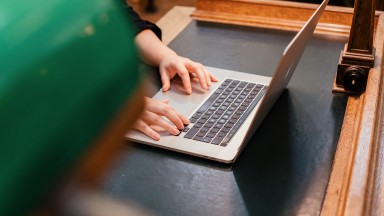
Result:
[{"x": 66, "y": 68}]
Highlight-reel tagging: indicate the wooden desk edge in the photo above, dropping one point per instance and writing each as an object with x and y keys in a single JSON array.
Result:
[
  {"x": 356, "y": 185},
  {"x": 283, "y": 15}
]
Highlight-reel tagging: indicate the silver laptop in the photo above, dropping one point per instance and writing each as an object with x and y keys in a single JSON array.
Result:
[{"x": 224, "y": 118}]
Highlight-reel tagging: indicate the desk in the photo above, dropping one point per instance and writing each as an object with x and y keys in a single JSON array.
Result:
[{"x": 282, "y": 174}]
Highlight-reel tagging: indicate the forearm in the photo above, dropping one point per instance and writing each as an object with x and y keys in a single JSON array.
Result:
[{"x": 151, "y": 49}]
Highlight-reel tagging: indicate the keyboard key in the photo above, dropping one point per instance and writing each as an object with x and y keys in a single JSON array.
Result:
[
  {"x": 218, "y": 125},
  {"x": 226, "y": 130},
  {"x": 197, "y": 125},
  {"x": 212, "y": 108},
  {"x": 229, "y": 112},
  {"x": 242, "y": 108},
  {"x": 207, "y": 139},
  {"x": 217, "y": 140},
  {"x": 202, "y": 121},
  {"x": 233, "y": 120},
  {"x": 219, "y": 112},
  {"x": 243, "y": 84},
  {"x": 248, "y": 100},
  {"x": 210, "y": 135},
  {"x": 186, "y": 129},
  {"x": 228, "y": 125},
  {"x": 235, "y": 116},
  {"x": 192, "y": 120},
  {"x": 218, "y": 91},
  {"x": 225, "y": 117},
  {"x": 197, "y": 138},
  {"x": 239, "y": 112},
  {"x": 201, "y": 134},
  {"x": 204, "y": 129},
  {"x": 212, "y": 120},
  {"x": 191, "y": 133},
  {"x": 206, "y": 116}
]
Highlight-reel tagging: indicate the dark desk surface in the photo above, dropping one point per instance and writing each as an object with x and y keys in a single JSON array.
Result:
[{"x": 285, "y": 168}]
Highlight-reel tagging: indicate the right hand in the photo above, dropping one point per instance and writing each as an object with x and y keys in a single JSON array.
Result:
[{"x": 152, "y": 115}]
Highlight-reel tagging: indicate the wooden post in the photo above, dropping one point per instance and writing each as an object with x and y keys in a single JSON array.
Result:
[{"x": 357, "y": 58}]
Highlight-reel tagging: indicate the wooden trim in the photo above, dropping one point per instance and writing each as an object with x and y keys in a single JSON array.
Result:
[
  {"x": 356, "y": 184},
  {"x": 174, "y": 22},
  {"x": 374, "y": 204},
  {"x": 275, "y": 14}
]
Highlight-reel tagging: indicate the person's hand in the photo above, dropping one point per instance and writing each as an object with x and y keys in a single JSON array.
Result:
[
  {"x": 174, "y": 64},
  {"x": 152, "y": 116}
]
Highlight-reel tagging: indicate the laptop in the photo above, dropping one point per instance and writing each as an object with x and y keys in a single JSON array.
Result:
[{"x": 224, "y": 118}]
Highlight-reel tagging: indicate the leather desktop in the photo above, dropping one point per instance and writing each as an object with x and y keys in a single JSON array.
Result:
[{"x": 284, "y": 169}]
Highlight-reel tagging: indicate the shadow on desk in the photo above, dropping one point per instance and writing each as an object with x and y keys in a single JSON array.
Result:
[{"x": 277, "y": 177}]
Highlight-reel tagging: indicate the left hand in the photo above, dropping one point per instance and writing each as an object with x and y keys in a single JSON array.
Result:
[{"x": 174, "y": 64}]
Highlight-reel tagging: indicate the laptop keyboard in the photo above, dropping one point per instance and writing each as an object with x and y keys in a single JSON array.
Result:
[{"x": 222, "y": 114}]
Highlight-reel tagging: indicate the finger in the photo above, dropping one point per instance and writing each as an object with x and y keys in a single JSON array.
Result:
[
  {"x": 146, "y": 129},
  {"x": 155, "y": 119},
  {"x": 201, "y": 77},
  {"x": 211, "y": 76},
  {"x": 184, "y": 75},
  {"x": 170, "y": 113},
  {"x": 198, "y": 70},
  {"x": 207, "y": 77},
  {"x": 166, "y": 101},
  {"x": 165, "y": 79},
  {"x": 184, "y": 119}
]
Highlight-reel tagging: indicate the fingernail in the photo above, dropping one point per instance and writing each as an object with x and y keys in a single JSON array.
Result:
[
  {"x": 157, "y": 137},
  {"x": 175, "y": 131}
]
